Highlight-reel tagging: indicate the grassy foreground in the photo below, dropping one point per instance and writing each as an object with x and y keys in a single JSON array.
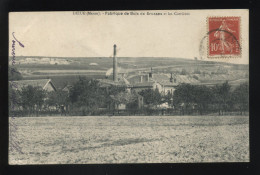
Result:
[{"x": 130, "y": 139}]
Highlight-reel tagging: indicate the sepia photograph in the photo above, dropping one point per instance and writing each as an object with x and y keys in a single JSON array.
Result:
[{"x": 116, "y": 87}]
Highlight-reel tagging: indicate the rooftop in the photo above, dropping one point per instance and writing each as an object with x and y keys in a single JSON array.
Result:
[
  {"x": 163, "y": 79},
  {"x": 107, "y": 82},
  {"x": 35, "y": 83}
]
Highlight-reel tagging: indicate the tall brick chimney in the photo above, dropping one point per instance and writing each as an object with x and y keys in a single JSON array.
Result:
[
  {"x": 115, "y": 65},
  {"x": 151, "y": 73},
  {"x": 171, "y": 79}
]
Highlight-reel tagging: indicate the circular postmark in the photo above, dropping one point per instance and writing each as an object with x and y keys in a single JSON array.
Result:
[{"x": 225, "y": 45}]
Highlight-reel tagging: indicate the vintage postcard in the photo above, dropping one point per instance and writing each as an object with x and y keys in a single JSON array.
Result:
[{"x": 108, "y": 87}]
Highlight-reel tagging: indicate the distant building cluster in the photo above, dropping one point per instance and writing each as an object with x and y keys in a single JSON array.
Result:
[{"x": 52, "y": 61}]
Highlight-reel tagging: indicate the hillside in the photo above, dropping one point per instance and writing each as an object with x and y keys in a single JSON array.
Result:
[{"x": 67, "y": 70}]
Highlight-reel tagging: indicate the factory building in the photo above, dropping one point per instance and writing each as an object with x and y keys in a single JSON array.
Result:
[{"x": 136, "y": 81}]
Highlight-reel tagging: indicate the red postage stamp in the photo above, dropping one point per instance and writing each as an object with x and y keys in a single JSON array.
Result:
[{"x": 224, "y": 37}]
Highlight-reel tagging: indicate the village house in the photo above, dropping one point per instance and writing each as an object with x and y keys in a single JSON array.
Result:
[
  {"x": 152, "y": 81},
  {"x": 45, "y": 84},
  {"x": 165, "y": 83}
]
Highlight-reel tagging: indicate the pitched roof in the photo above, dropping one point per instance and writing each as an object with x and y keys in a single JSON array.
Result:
[
  {"x": 107, "y": 82},
  {"x": 163, "y": 79},
  {"x": 133, "y": 79},
  {"x": 125, "y": 81},
  {"x": 160, "y": 77},
  {"x": 144, "y": 84},
  {"x": 185, "y": 79},
  {"x": 168, "y": 83},
  {"x": 35, "y": 83}
]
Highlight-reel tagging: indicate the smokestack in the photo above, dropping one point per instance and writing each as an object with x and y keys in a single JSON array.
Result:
[
  {"x": 115, "y": 65},
  {"x": 171, "y": 79},
  {"x": 151, "y": 73}
]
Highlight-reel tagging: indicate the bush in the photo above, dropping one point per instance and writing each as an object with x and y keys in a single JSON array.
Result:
[
  {"x": 195, "y": 77},
  {"x": 14, "y": 74},
  {"x": 184, "y": 72}
]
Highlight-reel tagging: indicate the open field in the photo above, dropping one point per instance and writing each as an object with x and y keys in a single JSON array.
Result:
[
  {"x": 140, "y": 63},
  {"x": 131, "y": 139}
]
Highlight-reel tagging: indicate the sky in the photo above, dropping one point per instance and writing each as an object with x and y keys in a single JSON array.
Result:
[{"x": 64, "y": 34}]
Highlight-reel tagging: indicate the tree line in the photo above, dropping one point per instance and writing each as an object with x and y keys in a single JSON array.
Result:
[
  {"x": 84, "y": 97},
  {"x": 87, "y": 97},
  {"x": 220, "y": 98}
]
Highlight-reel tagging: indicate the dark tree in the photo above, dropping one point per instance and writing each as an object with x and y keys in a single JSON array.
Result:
[
  {"x": 183, "y": 97},
  {"x": 222, "y": 96},
  {"x": 14, "y": 99},
  {"x": 197, "y": 71},
  {"x": 32, "y": 98},
  {"x": 240, "y": 96},
  {"x": 58, "y": 99},
  {"x": 203, "y": 97},
  {"x": 14, "y": 74},
  {"x": 87, "y": 94},
  {"x": 184, "y": 72},
  {"x": 168, "y": 98},
  {"x": 151, "y": 97},
  {"x": 191, "y": 97}
]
